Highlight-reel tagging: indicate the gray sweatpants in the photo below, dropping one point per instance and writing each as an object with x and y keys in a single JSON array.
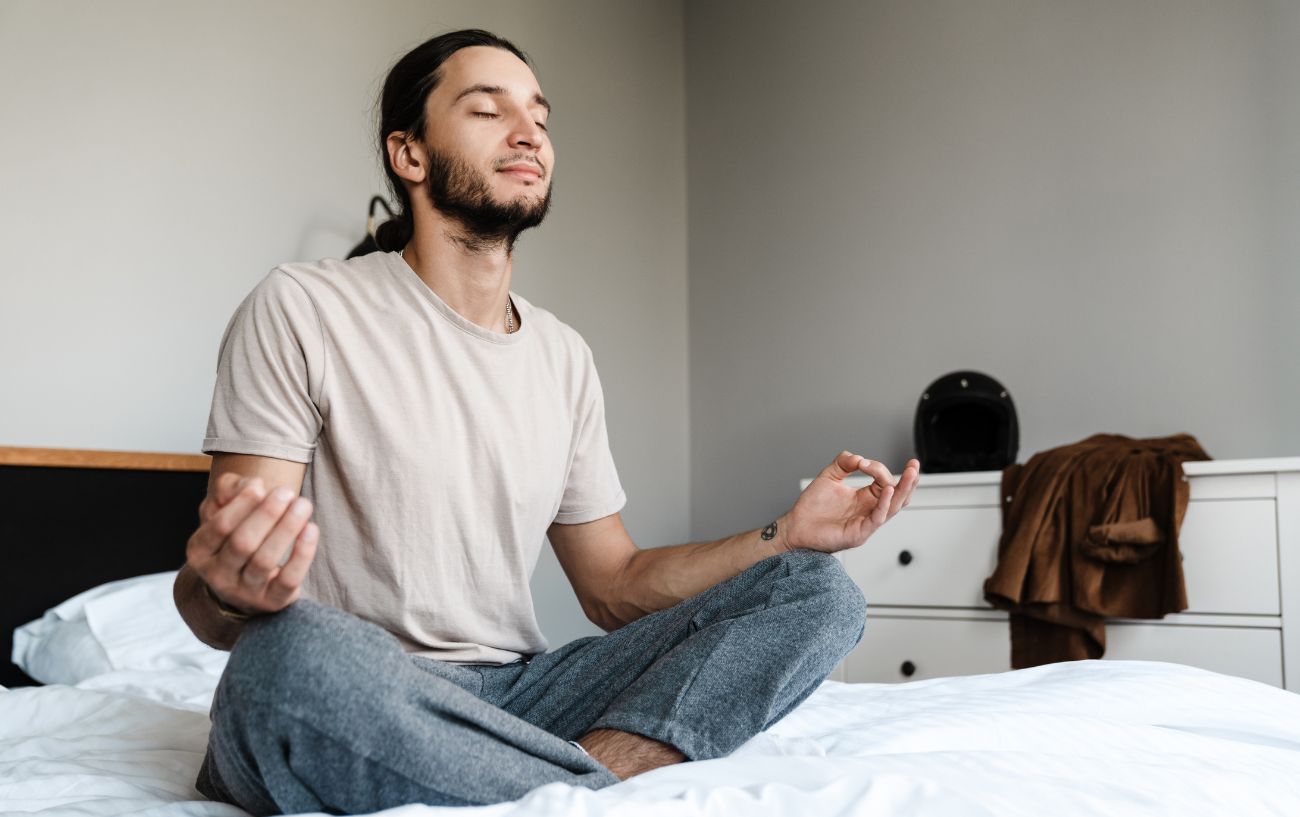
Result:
[{"x": 320, "y": 711}]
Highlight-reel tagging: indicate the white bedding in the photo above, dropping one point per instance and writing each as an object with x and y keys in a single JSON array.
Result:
[{"x": 1081, "y": 738}]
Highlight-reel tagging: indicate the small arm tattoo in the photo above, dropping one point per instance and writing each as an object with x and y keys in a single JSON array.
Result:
[{"x": 769, "y": 532}]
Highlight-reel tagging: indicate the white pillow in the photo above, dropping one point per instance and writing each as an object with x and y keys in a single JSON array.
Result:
[
  {"x": 54, "y": 650},
  {"x": 130, "y": 624}
]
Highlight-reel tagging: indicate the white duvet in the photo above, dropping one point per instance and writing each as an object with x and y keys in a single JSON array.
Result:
[{"x": 1081, "y": 738}]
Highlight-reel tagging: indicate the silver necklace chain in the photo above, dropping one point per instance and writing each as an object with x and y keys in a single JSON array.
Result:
[{"x": 510, "y": 313}]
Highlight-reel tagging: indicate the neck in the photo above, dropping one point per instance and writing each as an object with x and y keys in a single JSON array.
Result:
[{"x": 471, "y": 277}]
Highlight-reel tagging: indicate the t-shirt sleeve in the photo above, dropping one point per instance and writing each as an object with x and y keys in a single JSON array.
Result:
[
  {"x": 269, "y": 372},
  {"x": 593, "y": 489}
]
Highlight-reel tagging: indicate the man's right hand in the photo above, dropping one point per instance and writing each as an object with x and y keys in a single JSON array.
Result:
[{"x": 244, "y": 534}]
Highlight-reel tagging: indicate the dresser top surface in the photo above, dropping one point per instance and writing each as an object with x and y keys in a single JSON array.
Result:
[{"x": 1264, "y": 465}]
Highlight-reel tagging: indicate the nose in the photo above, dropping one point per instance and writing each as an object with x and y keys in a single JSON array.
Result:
[{"x": 527, "y": 133}]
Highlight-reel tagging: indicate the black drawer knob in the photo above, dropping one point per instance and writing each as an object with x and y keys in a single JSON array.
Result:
[
  {"x": 905, "y": 558},
  {"x": 908, "y": 669}
]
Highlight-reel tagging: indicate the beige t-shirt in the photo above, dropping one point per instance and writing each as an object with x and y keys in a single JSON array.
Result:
[{"x": 438, "y": 451}]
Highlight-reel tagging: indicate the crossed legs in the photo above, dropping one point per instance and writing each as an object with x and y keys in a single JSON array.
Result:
[{"x": 321, "y": 711}]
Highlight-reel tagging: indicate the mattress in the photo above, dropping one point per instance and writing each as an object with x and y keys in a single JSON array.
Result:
[{"x": 1078, "y": 738}]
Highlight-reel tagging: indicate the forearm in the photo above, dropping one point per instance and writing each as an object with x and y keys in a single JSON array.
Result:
[
  {"x": 656, "y": 578},
  {"x": 201, "y": 614}
]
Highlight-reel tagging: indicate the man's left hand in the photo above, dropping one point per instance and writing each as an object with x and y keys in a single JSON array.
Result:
[{"x": 830, "y": 516}]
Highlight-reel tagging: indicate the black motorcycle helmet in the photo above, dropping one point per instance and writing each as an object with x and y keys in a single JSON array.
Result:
[{"x": 965, "y": 421}]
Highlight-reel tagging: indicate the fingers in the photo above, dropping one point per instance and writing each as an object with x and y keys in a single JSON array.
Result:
[
  {"x": 884, "y": 496},
  {"x": 849, "y": 463},
  {"x": 283, "y": 588},
  {"x": 881, "y": 513},
  {"x": 227, "y": 486},
  {"x": 875, "y": 506},
  {"x": 906, "y": 482},
  {"x": 247, "y": 537},
  {"x": 223, "y": 490},
  {"x": 879, "y": 501},
  {"x": 265, "y": 561},
  {"x": 254, "y": 534},
  {"x": 255, "y": 550},
  {"x": 872, "y": 512},
  {"x": 220, "y": 523},
  {"x": 878, "y": 472},
  {"x": 845, "y": 463}
]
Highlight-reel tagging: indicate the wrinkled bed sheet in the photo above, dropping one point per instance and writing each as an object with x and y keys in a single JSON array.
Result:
[{"x": 1080, "y": 738}]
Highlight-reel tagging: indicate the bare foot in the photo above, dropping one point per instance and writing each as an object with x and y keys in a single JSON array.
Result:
[{"x": 626, "y": 754}]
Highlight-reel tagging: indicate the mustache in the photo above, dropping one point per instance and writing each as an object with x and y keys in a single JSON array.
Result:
[{"x": 523, "y": 159}]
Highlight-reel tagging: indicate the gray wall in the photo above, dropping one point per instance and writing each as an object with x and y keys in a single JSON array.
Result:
[
  {"x": 1282, "y": 55},
  {"x": 158, "y": 158},
  {"x": 1094, "y": 202}
]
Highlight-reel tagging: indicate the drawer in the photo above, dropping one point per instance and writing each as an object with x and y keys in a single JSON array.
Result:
[
  {"x": 937, "y": 647},
  {"x": 1249, "y": 652},
  {"x": 1230, "y": 560},
  {"x": 931, "y": 557},
  {"x": 933, "y": 647},
  {"x": 940, "y": 557}
]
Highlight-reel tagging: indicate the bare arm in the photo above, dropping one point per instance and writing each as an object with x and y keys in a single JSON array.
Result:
[
  {"x": 617, "y": 583},
  {"x": 244, "y": 532}
]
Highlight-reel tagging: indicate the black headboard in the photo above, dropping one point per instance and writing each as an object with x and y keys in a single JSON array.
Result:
[{"x": 72, "y": 519}]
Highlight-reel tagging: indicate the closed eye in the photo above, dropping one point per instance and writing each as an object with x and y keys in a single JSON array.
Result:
[{"x": 541, "y": 125}]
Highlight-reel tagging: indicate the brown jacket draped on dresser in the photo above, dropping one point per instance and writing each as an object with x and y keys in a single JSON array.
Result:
[{"x": 1090, "y": 530}]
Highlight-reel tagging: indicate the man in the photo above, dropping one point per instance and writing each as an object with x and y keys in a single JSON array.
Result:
[{"x": 438, "y": 426}]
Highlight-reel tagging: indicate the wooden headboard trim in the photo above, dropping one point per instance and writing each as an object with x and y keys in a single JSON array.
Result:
[{"x": 88, "y": 458}]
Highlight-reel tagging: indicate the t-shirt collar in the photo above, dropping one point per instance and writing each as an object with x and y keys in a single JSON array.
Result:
[{"x": 403, "y": 270}]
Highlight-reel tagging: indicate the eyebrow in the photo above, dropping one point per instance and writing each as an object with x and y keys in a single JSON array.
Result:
[{"x": 497, "y": 90}]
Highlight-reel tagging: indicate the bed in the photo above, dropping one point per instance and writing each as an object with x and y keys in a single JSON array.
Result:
[{"x": 119, "y": 724}]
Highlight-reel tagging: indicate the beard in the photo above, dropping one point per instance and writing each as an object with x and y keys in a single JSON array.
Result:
[{"x": 459, "y": 192}]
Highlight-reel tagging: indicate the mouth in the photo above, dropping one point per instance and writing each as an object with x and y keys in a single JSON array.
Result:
[{"x": 526, "y": 172}]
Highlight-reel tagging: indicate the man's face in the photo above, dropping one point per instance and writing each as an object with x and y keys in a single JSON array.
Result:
[{"x": 490, "y": 158}]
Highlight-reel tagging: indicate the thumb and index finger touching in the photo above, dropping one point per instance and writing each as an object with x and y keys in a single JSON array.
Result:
[
  {"x": 885, "y": 490},
  {"x": 848, "y": 464}
]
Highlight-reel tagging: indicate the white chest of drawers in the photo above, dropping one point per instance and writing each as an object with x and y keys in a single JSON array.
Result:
[{"x": 923, "y": 575}]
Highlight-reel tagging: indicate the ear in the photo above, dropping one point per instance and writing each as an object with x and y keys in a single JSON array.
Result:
[{"x": 406, "y": 157}]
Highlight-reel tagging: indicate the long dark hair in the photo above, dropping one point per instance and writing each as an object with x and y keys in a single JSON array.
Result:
[{"x": 401, "y": 108}]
